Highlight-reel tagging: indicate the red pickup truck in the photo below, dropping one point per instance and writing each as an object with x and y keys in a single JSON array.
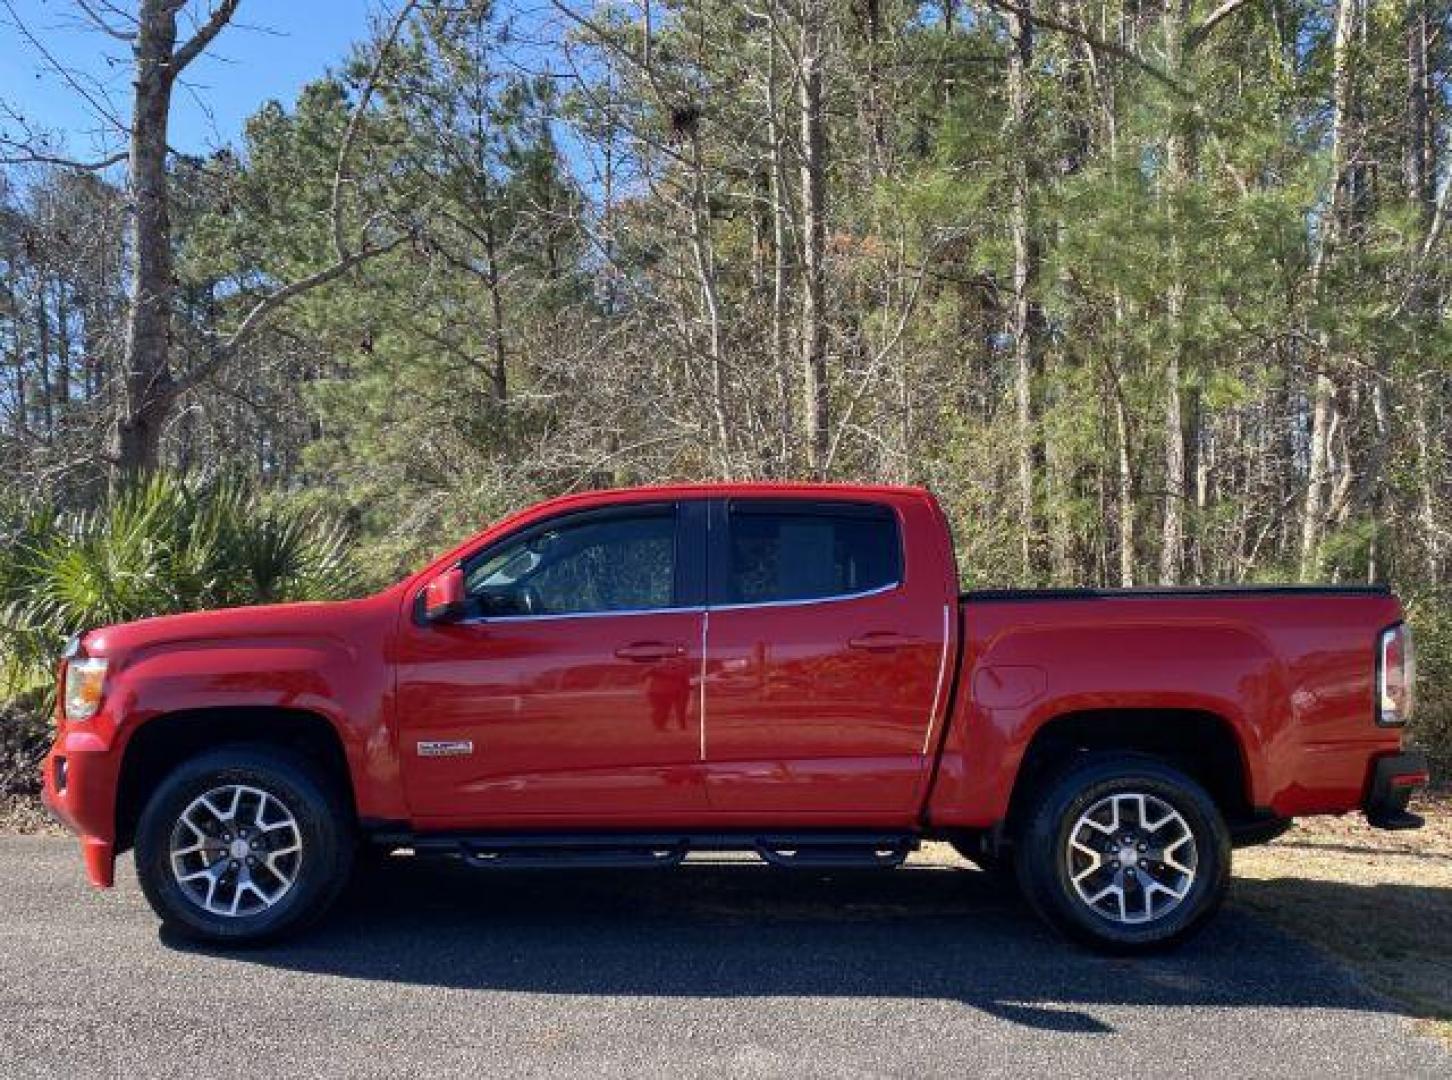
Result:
[{"x": 626, "y": 677}]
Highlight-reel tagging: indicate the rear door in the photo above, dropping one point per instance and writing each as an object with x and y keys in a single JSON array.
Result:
[{"x": 827, "y": 653}]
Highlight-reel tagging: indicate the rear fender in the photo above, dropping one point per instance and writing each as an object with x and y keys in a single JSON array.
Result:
[{"x": 1028, "y": 677}]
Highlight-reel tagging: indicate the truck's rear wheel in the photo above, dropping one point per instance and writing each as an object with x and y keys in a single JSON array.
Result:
[
  {"x": 242, "y": 844},
  {"x": 1124, "y": 852}
]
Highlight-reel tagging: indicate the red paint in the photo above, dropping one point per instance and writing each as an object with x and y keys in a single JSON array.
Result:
[
  {"x": 823, "y": 708},
  {"x": 1291, "y": 675},
  {"x": 444, "y": 595},
  {"x": 564, "y": 719},
  {"x": 798, "y": 714}
]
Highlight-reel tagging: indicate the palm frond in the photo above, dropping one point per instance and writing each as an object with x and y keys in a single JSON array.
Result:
[{"x": 162, "y": 545}]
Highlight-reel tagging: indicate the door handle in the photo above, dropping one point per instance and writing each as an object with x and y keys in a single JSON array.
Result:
[
  {"x": 882, "y": 641},
  {"x": 645, "y": 651}
]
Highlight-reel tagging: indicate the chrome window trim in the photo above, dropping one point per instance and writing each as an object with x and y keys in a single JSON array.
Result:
[
  {"x": 693, "y": 610},
  {"x": 696, "y": 608},
  {"x": 877, "y": 591}
]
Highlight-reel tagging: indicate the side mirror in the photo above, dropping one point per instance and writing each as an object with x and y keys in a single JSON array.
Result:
[{"x": 443, "y": 597}]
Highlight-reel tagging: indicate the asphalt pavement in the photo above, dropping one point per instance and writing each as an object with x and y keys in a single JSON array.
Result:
[{"x": 432, "y": 970}]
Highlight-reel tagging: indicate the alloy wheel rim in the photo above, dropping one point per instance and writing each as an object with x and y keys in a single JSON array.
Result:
[
  {"x": 236, "y": 850},
  {"x": 1131, "y": 858}
]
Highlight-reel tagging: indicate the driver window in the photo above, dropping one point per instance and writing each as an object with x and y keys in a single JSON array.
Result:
[{"x": 619, "y": 563}]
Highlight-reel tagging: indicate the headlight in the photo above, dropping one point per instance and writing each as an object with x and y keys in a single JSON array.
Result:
[{"x": 85, "y": 678}]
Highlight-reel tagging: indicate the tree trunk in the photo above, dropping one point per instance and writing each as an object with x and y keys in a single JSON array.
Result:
[
  {"x": 1172, "y": 536},
  {"x": 1419, "y": 154},
  {"x": 1172, "y": 539},
  {"x": 1125, "y": 492},
  {"x": 1427, "y": 484},
  {"x": 1027, "y": 317},
  {"x": 498, "y": 373},
  {"x": 782, "y": 361},
  {"x": 703, "y": 253},
  {"x": 17, "y": 349},
  {"x": 147, "y": 390},
  {"x": 1345, "y": 200},
  {"x": 1314, "y": 510},
  {"x": 869, "y": 101},
  {"x": 42, "y": 349},
  {"x": 814, "y": 238},
  {"x": 1345, "y": 166},
  {"x": 1374, "y": 484},
  {"x": 62, "y": 347}
]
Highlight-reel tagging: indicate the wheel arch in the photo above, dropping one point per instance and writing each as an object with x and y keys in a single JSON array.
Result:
[
  {"x": 164, "y": 742},
  {"x": 1203, "y": 744}
]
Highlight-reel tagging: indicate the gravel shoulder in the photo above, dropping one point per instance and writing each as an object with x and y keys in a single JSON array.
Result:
[
  {"x": 22, "y": 815},
  {"x": 1381, "y": 901}
]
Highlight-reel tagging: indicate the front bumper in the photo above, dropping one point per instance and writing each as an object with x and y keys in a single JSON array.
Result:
[
  {"x": 78, "y": 787},
  {"x": 1394, "y": 778}
]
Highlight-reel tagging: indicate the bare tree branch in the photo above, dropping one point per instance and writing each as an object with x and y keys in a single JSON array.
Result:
[
  {"x": 1439, "y": 217},
  {"x": 350, "y": 136},
  {"x": 1093, "y": 41},
  {"x": 103, "y": 109},
  {"x": 266, "y": 305},
  {"x": 99, "y": 22},
  {"x": 1199, "y": 33},
  {"x": 905, "y": 314},
  {"x": 197, "y": 43},
  {"x": 27, "y": 156}
]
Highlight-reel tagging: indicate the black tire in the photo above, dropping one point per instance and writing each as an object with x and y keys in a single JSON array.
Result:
[
  {"x": 1046, "y": 865},
  {"x": 323, "y": 827}
]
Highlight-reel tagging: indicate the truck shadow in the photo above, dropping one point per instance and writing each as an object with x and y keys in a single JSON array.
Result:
[{"x": 722, "y": 931}]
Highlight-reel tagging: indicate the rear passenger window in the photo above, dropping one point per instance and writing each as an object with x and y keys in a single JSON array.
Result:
[{"x": 810, "y": 552}]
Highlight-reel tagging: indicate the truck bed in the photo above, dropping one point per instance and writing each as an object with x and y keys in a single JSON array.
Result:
[{"x": 1163, "y": 592}]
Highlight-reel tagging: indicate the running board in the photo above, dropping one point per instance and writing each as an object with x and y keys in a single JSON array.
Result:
[
  {"x": 845, "y": 851},
  {"x": 544, "y": 852},
  {"x": 516, "y": 851}
]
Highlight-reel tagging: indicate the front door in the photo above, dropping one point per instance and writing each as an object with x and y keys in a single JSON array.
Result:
[
  {"x": 827, "y": 661},
  {"x": 570, "y": 695}
]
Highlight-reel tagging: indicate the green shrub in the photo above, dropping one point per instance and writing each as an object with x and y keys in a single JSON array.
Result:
[
  {"x": 164, "y": 545},
  {"x": 1431, "y": 727}
]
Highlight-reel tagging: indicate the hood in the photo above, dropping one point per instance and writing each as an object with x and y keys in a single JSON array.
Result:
[{"x": 328, "y": 618}]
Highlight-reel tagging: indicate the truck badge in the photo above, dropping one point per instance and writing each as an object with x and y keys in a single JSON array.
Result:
[{"x": 445, "y": 748}]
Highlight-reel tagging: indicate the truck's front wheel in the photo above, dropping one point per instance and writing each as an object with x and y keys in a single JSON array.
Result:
[
  {"x": 1124, "y": 852},
  {"x": 242, "y": 844}
]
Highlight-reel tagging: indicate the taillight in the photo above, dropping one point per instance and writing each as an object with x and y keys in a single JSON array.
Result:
[{"x": 1396, "y": 676}]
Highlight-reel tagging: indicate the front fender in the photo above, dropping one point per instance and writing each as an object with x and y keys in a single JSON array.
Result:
[{"x": 318, "y": 675}]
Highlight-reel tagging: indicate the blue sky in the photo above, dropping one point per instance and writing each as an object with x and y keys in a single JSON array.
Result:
[{"x": 272, "y": 49}]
